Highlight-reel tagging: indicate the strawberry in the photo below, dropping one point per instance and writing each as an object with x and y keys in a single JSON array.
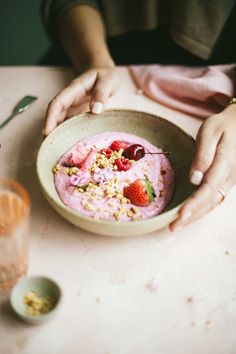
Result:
[
  {"x": 122, "y": 164},
  {"x": 89, "y": 160},
  {"x": 107, "y": 152},
  {"x": 140, "y": 192},
  {"x": 117, "y": 145}
]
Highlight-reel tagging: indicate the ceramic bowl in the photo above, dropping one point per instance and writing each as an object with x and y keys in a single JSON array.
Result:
[
  {"x": 43, "y": 287},
  {"x": 156, "y": 130}
]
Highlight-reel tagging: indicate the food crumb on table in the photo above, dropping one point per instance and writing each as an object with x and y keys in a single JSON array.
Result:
[
  {"x": 152, "y": 285},
  {"x": 189, "y": 300}
]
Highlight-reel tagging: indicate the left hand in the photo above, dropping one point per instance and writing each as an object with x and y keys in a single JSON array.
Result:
[
  {"x": 88, "y": 92},
  {"x": 213, "y": 168}
]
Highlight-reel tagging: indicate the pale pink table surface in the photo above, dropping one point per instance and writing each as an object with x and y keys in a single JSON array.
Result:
[{"x": 160, "y": 293}]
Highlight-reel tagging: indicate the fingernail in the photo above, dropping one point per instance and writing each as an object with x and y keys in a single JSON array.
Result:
[
  {"x": 186, "y": 216},
  {"x": 178, "y": 228},
  {"x": 97, "y": 107},
  {"x": 196, "y": 177}
]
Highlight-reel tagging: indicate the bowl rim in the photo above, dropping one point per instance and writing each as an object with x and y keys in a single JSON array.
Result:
[
  {"x": 119, "y": 223},
  {"x": 29, "y": 279}
]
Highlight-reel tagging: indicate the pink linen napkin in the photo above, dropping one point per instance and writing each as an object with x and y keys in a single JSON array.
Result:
[{"x": 198, "y": 91}]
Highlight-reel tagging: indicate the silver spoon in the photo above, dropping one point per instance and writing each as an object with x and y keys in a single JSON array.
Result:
[
  {"x": 158, "y": 153},
  {"x": 21, "y": 106}
]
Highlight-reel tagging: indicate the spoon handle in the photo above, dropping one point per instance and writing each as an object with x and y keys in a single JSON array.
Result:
[
  {"x": 21, "y": 106},
  {"x": 6, "y": 121},
  {"x": 158, "y": 153}
]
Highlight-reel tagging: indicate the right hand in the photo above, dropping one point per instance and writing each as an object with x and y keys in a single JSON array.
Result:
[{"x": 88, "y": 92}]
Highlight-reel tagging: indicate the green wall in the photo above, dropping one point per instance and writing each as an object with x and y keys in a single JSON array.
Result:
[{"x": 22, "y": 37}]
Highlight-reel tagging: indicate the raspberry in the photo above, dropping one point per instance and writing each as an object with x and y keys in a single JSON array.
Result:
[
  {"x": 117, "y": 145},
  {"x": 122, "y": 164},
  {"x": 107, "y": 152}
]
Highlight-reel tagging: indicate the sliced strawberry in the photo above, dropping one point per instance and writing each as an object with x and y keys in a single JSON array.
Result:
[
  {"x": 117, "y": 145},
  {"x": 140, "y": 192},
  {"x": 89, "y": 160},
  {"x": 122, "y": 164},
  {"x": 77, "y": 156},
  {"x": 107, "y": 152}
]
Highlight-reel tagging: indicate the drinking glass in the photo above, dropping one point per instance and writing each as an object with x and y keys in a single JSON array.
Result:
[{"x": 14, "y": 232}]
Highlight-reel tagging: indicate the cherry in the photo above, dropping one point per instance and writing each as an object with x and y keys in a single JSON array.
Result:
[{"x": 136, "y": 152}]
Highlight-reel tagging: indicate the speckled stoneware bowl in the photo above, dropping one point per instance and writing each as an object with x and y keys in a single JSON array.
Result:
[
  {"x": 158, "y": 131},
  {"x": 43, "y": 287}
]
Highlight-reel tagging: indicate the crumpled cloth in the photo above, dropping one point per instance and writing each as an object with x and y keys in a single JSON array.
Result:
[{"x": 197, "y": 91}]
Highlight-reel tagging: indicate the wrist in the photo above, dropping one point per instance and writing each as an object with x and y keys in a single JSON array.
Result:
[
  {"x": 92, "y": 61},
  {"x": 98, "y": 62},
  {"x": 231, "y": 108}
]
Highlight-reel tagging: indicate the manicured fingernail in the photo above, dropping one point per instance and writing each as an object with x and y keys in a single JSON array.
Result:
[
  {"x": 97, "y": 107},
  {"x": 186, "y": 216},
  {"x": 178, "y": 228},
  {"x": 196, "y": 177}
]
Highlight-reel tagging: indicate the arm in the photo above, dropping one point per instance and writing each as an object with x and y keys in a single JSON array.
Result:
[{"x": 82, "y": 33}]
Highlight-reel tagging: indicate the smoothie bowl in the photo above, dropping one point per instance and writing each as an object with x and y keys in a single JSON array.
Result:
[{"x": 121, "y": 173}]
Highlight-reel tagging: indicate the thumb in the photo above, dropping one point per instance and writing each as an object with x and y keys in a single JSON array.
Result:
[{"x": 102, "y": 90}]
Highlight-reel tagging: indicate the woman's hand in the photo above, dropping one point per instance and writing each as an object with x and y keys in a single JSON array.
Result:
[
  {"x": 89, "y": 92},
  {"x": 214, "y": 166}
]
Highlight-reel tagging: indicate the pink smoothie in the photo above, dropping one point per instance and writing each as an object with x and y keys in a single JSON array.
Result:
[{"x": 88, "y": 182}]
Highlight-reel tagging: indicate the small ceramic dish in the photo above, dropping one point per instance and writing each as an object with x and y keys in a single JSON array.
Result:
[
  {"x": 156, "y": 130},
  {"x": 44, "y": 288}
]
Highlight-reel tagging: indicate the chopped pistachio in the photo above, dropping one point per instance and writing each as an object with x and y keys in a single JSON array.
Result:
[
  {"x": 117, "y": 215},
  {"x": 71, "y": 171},
  {"x": 56, "y": 168}
]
